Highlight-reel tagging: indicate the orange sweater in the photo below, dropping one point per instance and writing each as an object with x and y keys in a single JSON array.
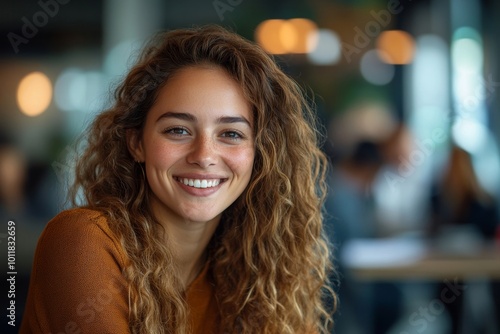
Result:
[{"x": 77, "y": 285}]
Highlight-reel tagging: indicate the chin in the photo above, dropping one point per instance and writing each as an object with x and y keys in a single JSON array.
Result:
[{"x": 201, "y": 217}]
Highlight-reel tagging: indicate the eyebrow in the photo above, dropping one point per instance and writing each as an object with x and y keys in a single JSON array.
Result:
[
  {"x": 192, "y": 118},
  {"x": 179, "y": 115},
  {"x": 233, "y": 119}
]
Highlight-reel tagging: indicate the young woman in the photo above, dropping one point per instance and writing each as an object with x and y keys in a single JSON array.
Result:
[{"x": 203, "y": 188}]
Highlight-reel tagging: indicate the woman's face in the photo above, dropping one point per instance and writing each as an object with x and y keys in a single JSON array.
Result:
[{"x": 197, "y": 145}]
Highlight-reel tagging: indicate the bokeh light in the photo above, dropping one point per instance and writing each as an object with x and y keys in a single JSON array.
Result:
[
  {"x": 69, "y": 90},
  {"x": 303, "y": 28},
  {"x": 428, "y": 86},
  {"x": 470, "y": 124},
  {"x": 285, "y": 36},
  {"x": 469, "y": 134},
  {"x": 76, "y": 90},
  {"x": 396, "y": 47},
  {"x": 288, "y": 36},
  {"x": 34, "y": 94},
  {"x": 268, "y": 35},
  {"x": 467, "y": 55},
  {"x": 325, "y": 46},
  {"x": 374, "y": 70}
]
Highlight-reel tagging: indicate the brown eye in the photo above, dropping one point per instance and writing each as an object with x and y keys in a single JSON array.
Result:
[
  {"x": 176, "y": 131},
  {"x": 233, "y": 135}
]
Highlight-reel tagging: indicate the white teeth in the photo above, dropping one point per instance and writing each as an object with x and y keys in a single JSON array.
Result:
[{"x": 196, "y": 183}]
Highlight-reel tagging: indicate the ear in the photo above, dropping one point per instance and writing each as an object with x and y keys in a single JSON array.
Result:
[{"x": 134, "y": 144}]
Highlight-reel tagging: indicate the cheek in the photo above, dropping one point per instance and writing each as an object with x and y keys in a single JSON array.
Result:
[
  {"x": 241, "y": 161},
  {"x": 161, "y": 154}
]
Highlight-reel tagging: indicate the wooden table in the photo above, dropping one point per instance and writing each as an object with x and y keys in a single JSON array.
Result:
[{"x": 402, "y": 259}]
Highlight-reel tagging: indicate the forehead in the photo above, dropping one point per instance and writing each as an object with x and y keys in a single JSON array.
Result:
[{"x": 203, "y": 90}]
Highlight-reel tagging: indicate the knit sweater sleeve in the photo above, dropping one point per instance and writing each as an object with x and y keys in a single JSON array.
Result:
[{"x": 76, "y": 283}]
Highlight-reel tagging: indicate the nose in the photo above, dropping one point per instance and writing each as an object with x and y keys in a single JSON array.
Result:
[{"x": 203, "y": 152}]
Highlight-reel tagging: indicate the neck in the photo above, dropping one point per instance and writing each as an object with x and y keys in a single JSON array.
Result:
[
  {"x": 190, "y": 271},
  {"x": 189, "y": 242},
  {"x": 190, "y": 249}
]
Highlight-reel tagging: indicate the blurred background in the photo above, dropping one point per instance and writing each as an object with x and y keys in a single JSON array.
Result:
[{"x": 407, "y": 95}]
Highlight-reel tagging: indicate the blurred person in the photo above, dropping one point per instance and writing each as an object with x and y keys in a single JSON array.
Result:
[
  {"x": 400, "y": 190},
  {"x": 458, "y": 201},
  {"x": 202, "y": 194},
  {"x": 369, "y": 307},
  {"x": 364, "y": 119},
  {"x": 351, "y": 198},
  {"x": 396, "y": 145}
]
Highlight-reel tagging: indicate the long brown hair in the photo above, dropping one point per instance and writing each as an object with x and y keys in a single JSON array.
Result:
[{"x": 268, "y": 258}]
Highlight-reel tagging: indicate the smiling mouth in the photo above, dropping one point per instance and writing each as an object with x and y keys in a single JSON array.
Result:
[{"x": 200, "y": 183}]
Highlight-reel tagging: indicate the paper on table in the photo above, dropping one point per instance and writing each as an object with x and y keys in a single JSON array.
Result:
[{"x": 382, "y": 252}]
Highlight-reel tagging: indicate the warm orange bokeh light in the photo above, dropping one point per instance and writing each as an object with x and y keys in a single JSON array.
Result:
[
  {"x": 285, "y": 36},
  {"x": 303, "y": 29},
  {"x": 268, "y": 36},
  {"x": 34, "y": 94},
  {"x": 396, "y": 47},
  {"x": 288, "y": 36}
]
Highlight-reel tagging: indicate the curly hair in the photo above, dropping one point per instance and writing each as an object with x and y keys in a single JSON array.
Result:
[{"x": 269, "y": 259}]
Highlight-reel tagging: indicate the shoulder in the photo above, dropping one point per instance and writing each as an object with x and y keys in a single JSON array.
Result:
[
  {"x": 76, "y": 222},
  {"x": 77, "y": 232},
  {"x": 77, "y": 219},
  {"x": 77, "y": 277}
]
